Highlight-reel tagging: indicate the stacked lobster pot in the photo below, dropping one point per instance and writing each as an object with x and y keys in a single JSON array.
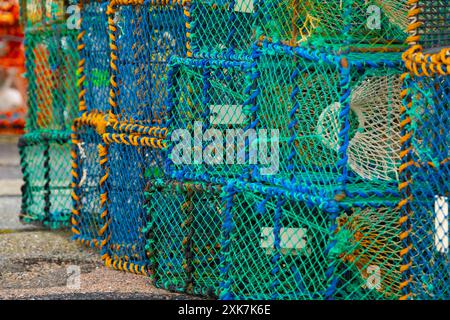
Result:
[
  {"x": 118, "y": 138},
  {"x": 51, "y": 67},
  {"x": 425, "y": 165},
  {"x": 287, "y": 114},
  {"x": 252, "y": 149}
]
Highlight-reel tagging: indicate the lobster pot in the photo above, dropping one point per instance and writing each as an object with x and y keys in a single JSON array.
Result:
[
  {"x": 127, "y": 162},
  {"x": 183, "y": 231},
  {"x": 95, "y": 54},
  {"x": 281, "y": 247},
  {"x": 426, "y": 197},
  {"x": 221, "y": 26},
  {"x": 210, "y": 110},
  {"x": 51, "y": 64},
  {"x": 146, "y": 36},
  {"x": 86, "y": 219},
  {"x": 45, "y": 164},
  {"x": 361, "y": 24},
  {"x": 333, "y": 121}
]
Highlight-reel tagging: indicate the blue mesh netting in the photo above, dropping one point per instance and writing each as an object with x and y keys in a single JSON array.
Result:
[
  {"x": 95, "y": 52},
  {"x": 87, "y": 221},
  {"x": 428, "y": 189},
  {"x": 146, "y": 36},
  {"x": 124, "y": 187}
]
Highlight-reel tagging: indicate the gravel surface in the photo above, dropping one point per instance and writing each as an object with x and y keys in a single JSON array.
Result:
[
  {"x": 9, "y": 215},
  {"x": 40, "y": 265},
  {"x": 9, "y": 158}
]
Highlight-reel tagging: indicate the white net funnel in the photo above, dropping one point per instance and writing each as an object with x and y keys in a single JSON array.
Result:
[
  {"x": 374, "y": 142},
  {"x": 396, "y": 10}
]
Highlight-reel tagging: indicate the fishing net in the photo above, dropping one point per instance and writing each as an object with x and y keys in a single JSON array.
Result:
[
  {"x": 424, "y": 177},
  {"x": 271, "y": 253},
  {"x": 337, "y": 118},
  {"x": 127, "y": 162},
  {"x": 93, "y": 44},
  {"x": 373, "y": 150},
  {"x": 249, "y": 241},
  {"x": 360, "y": 24},
  {"x": 220, "y": 26},
  {"x": 144, "y": 35},
  {"x": 297, "y": 118},
  {"x": 86, "y": 172},
  {"x": 368, "y": 250},
  {"x": 51, "y": 64},
  {"x": 93, "y": 86},
  {"x": 210, "y": 110},
  {"x": 183, "y": 230},
  {"x": 45, "y": 163}
]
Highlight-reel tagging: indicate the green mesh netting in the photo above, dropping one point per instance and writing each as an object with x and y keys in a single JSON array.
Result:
[
  {"x": 282, "y": 248},
  {"x": 184, "y": 224},
  {"x": 368, "y": 248},
  {"x": 338, "y": 119},
  {"x": 322, "y": 225},
  {"x": 209, "y": 97},
  {"x": 45, "y": 161},
  {"x": 328, "y": 124},
  {"x": 233, "y": 25},
  {"x": 221, "y": 25},
  {"x": 239, "y": 243},
  {"x": 276, "y": 249},
  {"x": 51, "y": 63}
]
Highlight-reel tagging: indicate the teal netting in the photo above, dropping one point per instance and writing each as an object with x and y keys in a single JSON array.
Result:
[
  {"x": 45, "y": 163},
  {"x": 221, "y": 26},
  {"x": 183, "y": 232},
  {"x": 316, "y": 123},
  {"x": 231, "y": 26},
  {"x": 209, "y": 99},
  {"x": 337, "y": 118},
  {"x": 247, "y": 241},
  {"x": 51, "y": 69}
]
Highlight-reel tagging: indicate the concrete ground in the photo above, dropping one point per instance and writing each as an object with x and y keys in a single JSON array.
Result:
[{"x": 41, "y": 264}]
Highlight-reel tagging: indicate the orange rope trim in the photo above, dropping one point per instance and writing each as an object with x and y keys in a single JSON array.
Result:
[
  {"x": 134, "y": 140},
  {"x": 420, "y": 64}
]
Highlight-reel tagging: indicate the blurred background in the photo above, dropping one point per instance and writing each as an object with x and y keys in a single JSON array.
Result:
[
  {"x": 12, "y": 68},
  {"x": 12, "y": 110}
]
